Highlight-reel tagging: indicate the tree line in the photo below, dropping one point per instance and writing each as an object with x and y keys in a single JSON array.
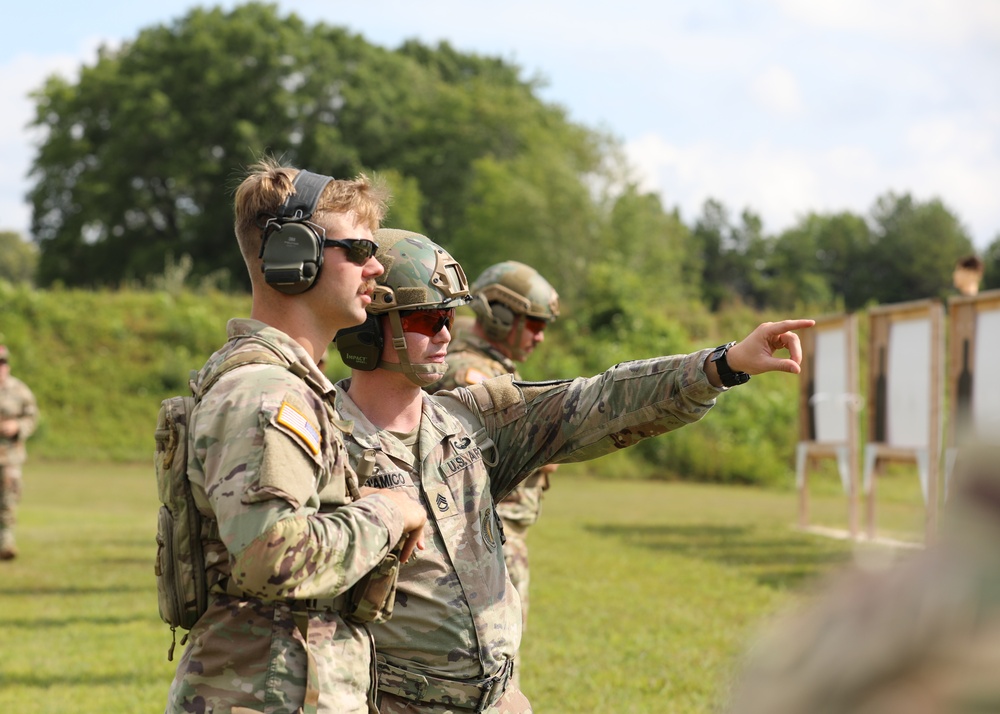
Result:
[{"x": 142, "y": 150}]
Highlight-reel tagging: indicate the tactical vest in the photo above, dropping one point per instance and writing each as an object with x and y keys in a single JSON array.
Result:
[{"x": 181, "y": 579}]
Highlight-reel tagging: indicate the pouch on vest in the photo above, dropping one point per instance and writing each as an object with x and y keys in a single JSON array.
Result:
[
  {"x": 371, "y": 599},
  {"x": 181, "y": 585},
  {"x": 181, "y": 580}
]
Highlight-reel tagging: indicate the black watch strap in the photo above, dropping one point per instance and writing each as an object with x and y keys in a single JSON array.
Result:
[{"x": 728, "y": 377}]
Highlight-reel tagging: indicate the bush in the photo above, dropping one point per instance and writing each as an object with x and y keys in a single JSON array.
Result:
[{"x": 100, "y": 362}]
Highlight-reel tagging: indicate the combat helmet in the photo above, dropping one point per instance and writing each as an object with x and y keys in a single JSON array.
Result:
[
  {"x": 419, "y": 274},
  {"x": 508, "y": 292}
]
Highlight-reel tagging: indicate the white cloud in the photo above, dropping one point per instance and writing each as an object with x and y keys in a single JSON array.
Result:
[
  {"x": 776, "y": 91},
  {"x": 19, "y": 76},
  {"x": 950, "y": 22},
  {"x": 782, "y": 185}
]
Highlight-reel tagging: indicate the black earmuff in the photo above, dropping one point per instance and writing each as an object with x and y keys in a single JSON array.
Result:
[
  {"x": 361, "y": 347},
  {"x": 292, "y": 248}
]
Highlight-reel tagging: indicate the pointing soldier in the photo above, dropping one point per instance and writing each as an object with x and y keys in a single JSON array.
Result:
[
  {"x": 456, "y": 626},
  {"x": 268, "y": 468},
  {"x": 18, "y": 418},
  {"x": 513, "y": 304}
]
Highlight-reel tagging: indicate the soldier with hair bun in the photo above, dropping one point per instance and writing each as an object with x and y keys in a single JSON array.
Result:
[
  {"x": 18, "y": 419},
  {"x": 286, "y": 532}
]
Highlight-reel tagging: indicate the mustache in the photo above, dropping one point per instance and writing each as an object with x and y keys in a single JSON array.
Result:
[{"x": 368, "y": 285}]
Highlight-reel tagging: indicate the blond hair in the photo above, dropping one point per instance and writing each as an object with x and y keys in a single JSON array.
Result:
[{"x": 268, "y": 184}]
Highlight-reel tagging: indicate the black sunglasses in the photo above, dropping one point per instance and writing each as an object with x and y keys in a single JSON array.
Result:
[{"x": 359, "y": 250}]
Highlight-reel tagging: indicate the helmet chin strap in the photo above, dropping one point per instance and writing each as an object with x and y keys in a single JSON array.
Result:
[
  {"x": 420, "y": 374},
  {"x": 514, "y": 339}
]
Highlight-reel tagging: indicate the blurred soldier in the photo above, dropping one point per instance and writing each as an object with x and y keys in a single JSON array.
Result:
[
  {"x": 18, "y": 418},
  {"x": 269, "y": 470},
  {"x": 921, "y": 637},
  {"x": 513, "y": 305},
  {"x": 968, "y": 274},
  {"x": 456, "y": 626}
]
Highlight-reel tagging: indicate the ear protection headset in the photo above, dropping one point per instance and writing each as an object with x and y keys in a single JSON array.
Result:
[
  {"x": 496, "y": 318},
  {"x": 292, "y": 247},
  {"x": 361, "y": 347}
]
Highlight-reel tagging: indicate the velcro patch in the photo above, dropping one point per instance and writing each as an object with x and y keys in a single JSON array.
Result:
[
  {"x": 296, "y": 421},
  {"x": 474, "y": 376}
]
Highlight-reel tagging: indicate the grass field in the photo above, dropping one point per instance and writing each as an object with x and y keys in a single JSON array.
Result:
[{"x": 643, "y": 593}]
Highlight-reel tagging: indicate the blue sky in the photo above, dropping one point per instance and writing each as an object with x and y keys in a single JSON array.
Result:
[{"x": 782, "y": 106}]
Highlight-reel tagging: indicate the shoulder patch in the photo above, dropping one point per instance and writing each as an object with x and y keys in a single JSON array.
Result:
[
  {"x": 299, "y": 424},
  {"x": 473, "y": 376}
]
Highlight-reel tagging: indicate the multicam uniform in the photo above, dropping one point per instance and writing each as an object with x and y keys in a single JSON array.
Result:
[
  {"x": 18, "y": 403},
  {"x": 269, "y": 473},
  {"x": 921, "y": 637},
  {"x": 456, "y": 625},
  {"x": 471, "y": 360}
]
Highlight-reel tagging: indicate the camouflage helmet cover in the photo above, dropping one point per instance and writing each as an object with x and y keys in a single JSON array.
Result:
[
  {"x": 418, "y": 274},
  {"x": 518, "y": 286}
]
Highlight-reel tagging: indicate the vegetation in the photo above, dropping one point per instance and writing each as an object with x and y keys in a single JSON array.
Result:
[
  {"x": 132, "y": 202},
  {"x": 687, "y": 573},
  {"x": 18, "y": 258},
  {"x": 141, "y": 153},
  {"x": 100, "y": 362}
]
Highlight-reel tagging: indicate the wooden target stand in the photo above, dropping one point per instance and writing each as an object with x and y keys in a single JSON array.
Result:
[
  {"x": 973, "y": 376},
  {"x": 828, "y": 410},
  {"x": 905, "y": 391}
]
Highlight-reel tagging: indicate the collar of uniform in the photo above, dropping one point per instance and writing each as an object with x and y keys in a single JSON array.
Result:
[
  {"x": 363, "y": 431},
  {"x": 246, "y": 327},
  {"x": 478, "y": 344},
  {"x": 436, "y": 424}
]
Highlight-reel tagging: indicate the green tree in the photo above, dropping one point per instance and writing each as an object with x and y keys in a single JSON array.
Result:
[
  {"x": 733, "y": 257},
  {"x": 143, "y": 150},
  {"x": 18, "y": 259},
  {"x": 914, "y": 247},
  {"x": 991, "y": 268},
  {"x": 820, "y": 261}
]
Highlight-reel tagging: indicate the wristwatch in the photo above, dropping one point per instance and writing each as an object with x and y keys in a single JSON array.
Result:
[{"x": 726, "y": 374}]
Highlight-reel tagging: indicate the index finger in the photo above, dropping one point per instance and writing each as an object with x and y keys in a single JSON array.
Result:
[{"x": 776, "y": 328}]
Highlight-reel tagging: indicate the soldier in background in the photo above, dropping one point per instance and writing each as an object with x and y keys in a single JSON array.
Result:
[
  {"x": 513, "y": 304},
  {"x": 18, "y": 419},
  {"x": 456, "y": 625},
  {"x": 921, "y": 637},
  {"x": 268, "y": 468}
]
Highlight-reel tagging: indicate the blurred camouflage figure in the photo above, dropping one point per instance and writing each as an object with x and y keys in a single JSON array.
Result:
[
  {"x": 18, "y": 418},
  {"x": 456, "y": 627},
  {"x": 919, "y": 637},
  {"x": 513, "y": 304},
  {"x": 286, "y": 535}
]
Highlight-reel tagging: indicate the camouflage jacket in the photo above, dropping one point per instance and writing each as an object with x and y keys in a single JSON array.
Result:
[
  {"x": 457, "y": 614},
  {"x": 17, "y": 402},
  {"x": 471, "y": 360},
  {"x": 919, "y": 635},
  {"x": 268, "y": 470}
]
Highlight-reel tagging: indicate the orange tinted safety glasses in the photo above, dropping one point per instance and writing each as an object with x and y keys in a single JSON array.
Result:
[
  {"x": 427, "y": 322},
  {"x": 534, "y": 324}
]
